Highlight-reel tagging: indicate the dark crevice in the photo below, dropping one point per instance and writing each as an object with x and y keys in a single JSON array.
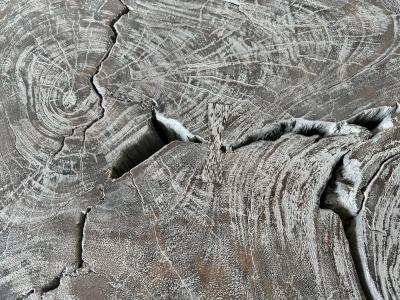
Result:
[
  {"x": 320, "y": 129},
  {"x": 100, "y": 96},
  {"x": 79, "y": 267},
  {"x": 366, "y": 123},
  {"x": 374, "y": 117},
  {"x": 60, "y": 148},
  {"x": 124, "y": 11},
  {"x": 80, "y": 263},
  {"x": 53, "y": 284},
  {"x": 79, "y": 244},
  {"x": 48, "y": 287},
  {"x": 26, "y": 295},
  {"x": 270, "y": 133},
  {"x": 139, "y": 150},
  {"x": 159, "y": 132},
  {"x": 340, "y": 191},
  {"x": 340, "y": 195},
  {"x": 338, "y": 187},
  {"x": 330, "y": 185},
  {"x": 62, "y": 143},
  {"x": 354, "y": 231}
]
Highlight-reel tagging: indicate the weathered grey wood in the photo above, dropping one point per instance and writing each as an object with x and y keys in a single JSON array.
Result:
[
  {"x": 76, "y": 82},
  {"x": 271, "y": 60},
  {"x": 253, "y": 237},
  {"x": 376, "y": 187},
  {"x": 48, "y": 53},
  {"x": 382, "y": 230}
]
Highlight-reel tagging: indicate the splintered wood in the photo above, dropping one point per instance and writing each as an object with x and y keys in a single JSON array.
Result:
[{"x": 307, "y": 207}]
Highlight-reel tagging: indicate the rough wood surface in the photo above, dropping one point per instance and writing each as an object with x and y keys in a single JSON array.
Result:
[
  {"x": 244, "y": 239},
  {"x": 377, "y": 197},
  {"x": 77, "y": 80}
]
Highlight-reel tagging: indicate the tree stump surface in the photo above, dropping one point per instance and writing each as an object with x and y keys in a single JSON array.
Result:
[{"x": 293, "y": 193}]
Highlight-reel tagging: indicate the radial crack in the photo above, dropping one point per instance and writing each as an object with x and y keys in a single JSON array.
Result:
[
  {"x": 340, "y": 195},
  {"x": 60, "y": 148},
  {"x": 62, "y": 144},
  {"x": 53, "y": 284},
  {"x": 79, "y": 267},
  {"x": 80, "y": 263},
  {"x": 47, "y": 287},
  {"x": 97, "y": 91}
]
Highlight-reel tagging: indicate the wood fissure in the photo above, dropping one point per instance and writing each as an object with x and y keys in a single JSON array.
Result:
[
  {"x": 160, "y": 131},
  {"x": 371, "y": 120},
  {"x": 365, "y": 189},
  {"x": 79, "y": 268},
  {"x": 96, "y": 90},
  {"x": 80, "y": 241},
  {"x": 318, "y": 78},
  {"x": 344, "y": 204}
]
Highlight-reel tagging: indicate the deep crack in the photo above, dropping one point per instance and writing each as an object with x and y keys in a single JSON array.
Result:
[
  {"x": 340, "y": 192},
  {"x": 375, "y": 119},
  {"x": 159, "y": 132},
  {"x": 47, "y": 287},
  {"x": 367, "y": 123},
  {"x": 26, "y": 295},
  {"x": 63, "y": 138},
  {"x": 100, "y": 96},
  {"x": 340, "y": 196},
  {"x": 53, "y": 284},
  {"x": 79, "y": 245},
  {"x": 80, "y": 267},
  {"x": 60, "y": 148}
]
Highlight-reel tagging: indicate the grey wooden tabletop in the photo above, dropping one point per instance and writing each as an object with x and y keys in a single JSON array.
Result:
[{"x": 185, "y": 149}]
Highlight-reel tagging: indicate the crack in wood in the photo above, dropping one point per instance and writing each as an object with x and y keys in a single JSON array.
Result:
[
  {"x": 53, "y": 284},
  {"x": 80, "y": 266},
  {"x": 58, "y": 151},
  {"x": 366, "y": 123},
  {"x": 79, "y": 245},
  {"x": 26, "y": 295},
  {"x": 375, "y": 119},
  {"x": 48, "y": 287},
  {"x": 159, "y": 132},
  {"x": 340, "y": 196},
  {"x": 97, "y": 91},
  {"x": 230, "y": 54},
  {"x": 341, "y": 190}
]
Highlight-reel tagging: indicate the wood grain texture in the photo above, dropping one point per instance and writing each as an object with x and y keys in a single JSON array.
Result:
[
  {"x": 49, "y": 51},
  {"x": 77, "y": 79},
  {"x": 376, "y": 195},
  {"x": 271, "y": 61},
  {"x": 180, "y": 237},
  {"x": 382, "y": 230}
]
